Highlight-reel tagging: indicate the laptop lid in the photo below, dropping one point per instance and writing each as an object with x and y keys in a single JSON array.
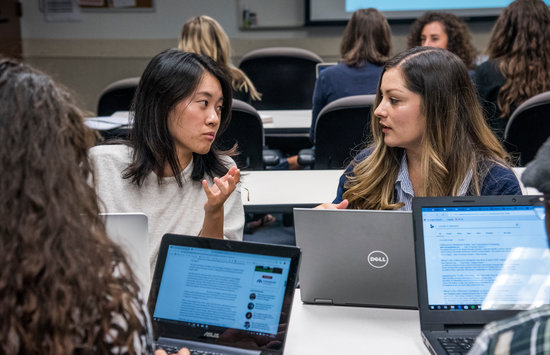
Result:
[
  {"x": 473, "y": 263},
  {"x": 356, "y": 257},
  {"x": 319, "y": 67},
  {"x": 129, "y": 230},
  {"x": 231, "y": 293}
]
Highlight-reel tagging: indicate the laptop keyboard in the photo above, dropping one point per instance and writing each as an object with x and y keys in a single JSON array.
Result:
[
  {"x": 174, "y": 350},
  {"x": 457, "y": 346}
]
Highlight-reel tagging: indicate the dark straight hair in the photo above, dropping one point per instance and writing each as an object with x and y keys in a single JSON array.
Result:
[{"x": 170, "y": 77}]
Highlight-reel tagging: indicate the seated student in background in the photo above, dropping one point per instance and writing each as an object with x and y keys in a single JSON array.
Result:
[
  {"x": 444, "y": 30},
  {"x": 429, "y": 138},
  {"x": 526, "y": 333},
  {"x": 204, "y": 35},
  {"x": 65, "y": 287},
  {"x": 169, "y": 169},
  {"x": 519, "y": 62},
  {"x": 365, "y": 47}
]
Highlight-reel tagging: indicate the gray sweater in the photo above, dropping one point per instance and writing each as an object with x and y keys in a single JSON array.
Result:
[{"x": 169, "y": 208}]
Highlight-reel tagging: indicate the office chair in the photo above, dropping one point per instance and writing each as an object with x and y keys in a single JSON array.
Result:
[
  {"x": 117, "y": 96},
  {"x": 528, "y": 128},
  {"x": 246, "y": 129},
  {"x": 285, "y": 76},
  {"x": 340, "y": 131}
]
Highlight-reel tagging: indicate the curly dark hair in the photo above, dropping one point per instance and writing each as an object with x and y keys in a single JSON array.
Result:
[
  {"x": 65, "y": 287},
  {"x": 460, "y": 37},
  {"x": 519, "y": 42}
]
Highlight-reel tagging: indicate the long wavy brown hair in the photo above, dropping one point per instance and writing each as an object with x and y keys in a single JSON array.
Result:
[
  {"x": 520, "y": 43},
  {"x": 64, "y": 286},
  {"x": 458, "y": 33},
  {"x": 204, "y": 35},
  {"x": 366, "y": 38},
  {"x": 456, "y": 139}
]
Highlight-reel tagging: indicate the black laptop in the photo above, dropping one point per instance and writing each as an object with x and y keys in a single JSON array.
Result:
[
  {"x": 473, "y": 264},
  {"x": 221, "y": 296}
]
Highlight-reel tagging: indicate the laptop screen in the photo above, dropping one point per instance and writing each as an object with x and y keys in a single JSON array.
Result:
[
  {"x": 207, "y": 287},
  {"x": 485, "y": 257}
]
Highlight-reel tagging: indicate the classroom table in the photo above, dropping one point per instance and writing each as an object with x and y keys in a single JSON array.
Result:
[
  {"x": 281, "y": 190},
  {"x": 329, "y": 329},
  {"x": 277, "y": 123}
]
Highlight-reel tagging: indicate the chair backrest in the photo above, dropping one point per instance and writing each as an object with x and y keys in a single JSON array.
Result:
[
  {"x": 245, "y": 129},
  {"x": 528, "y": 128},
  {"x": 285, "y": 76},
  {"x": 117, "y": 96},
  {"x": 341, "y": 130}
]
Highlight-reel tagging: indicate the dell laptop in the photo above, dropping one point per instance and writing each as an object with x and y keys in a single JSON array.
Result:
[
  {"x": 478, "y": 259},
  {"x": 222, "y": 296},
  {"x": 356, "y": 257}
]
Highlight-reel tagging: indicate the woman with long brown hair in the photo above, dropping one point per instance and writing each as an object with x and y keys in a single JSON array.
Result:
[
  {"x": 429, "y": 138},
  {"x": 65, "y": 287},
  {"x": 519, "y": 62},
  {"x": 365, "y": 47},
  {"x": 204, "y": 35}
]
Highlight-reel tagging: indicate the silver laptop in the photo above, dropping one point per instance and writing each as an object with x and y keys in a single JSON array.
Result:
[
  {"x": 356, "y": 257},
  {"x": 319, "y": 67},
  {"x": 129, "y": 230}
]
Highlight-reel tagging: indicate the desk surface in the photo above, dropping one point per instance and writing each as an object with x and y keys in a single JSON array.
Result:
[
  {"x": 281, "y": 190},
  {"x": 323, "y": 329}
]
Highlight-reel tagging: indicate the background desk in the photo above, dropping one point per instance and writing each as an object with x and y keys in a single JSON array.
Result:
[
  {"x": 281, "y": 190},
  {"x": 295, "y": 123},
  {"x": 320, "y": 329}
]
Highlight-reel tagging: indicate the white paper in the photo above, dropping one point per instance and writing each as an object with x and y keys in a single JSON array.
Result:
[
  {"x": 123, "y": 3},
  {"x": 62, "y": 11}
]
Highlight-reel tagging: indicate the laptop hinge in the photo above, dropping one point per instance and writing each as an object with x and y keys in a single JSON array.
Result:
[{"x": 323, "y": 300}]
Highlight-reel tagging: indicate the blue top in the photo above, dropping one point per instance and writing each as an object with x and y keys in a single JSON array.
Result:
[
  {"x": 499, "y": 181},
  {"x": 341, "y": 81}
]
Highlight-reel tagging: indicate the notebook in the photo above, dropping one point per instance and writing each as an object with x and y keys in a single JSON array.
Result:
[
  {"x": 473, "y": 264},
  {"x": 222, "y": 296},
  {"x": 319, "y": 67},
  {"x": 356, "y": 257},
  {"x": 129, "y": 230}
]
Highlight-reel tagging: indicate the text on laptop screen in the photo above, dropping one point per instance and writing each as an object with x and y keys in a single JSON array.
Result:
[
  {"x": 206, "y": 287},
  {"x": 486, "y": 258}
]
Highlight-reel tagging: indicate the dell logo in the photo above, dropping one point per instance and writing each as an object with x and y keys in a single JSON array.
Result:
[{"x": 377, "y": 259}]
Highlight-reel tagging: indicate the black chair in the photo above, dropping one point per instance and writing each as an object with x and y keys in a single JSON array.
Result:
[
  {"x": 285, "y": 76},
  {"x": 246, "y": 129},
  {"x": 528, "y": 128},
  {"x": 117, "y": 96},
  {"x": 340, "y": 131}
]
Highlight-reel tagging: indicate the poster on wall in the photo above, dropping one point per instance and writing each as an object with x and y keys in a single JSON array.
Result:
[{"x": 62, "y": 11}]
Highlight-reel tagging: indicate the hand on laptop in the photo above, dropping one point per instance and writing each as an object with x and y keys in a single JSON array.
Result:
[
  {"x": 182, "y": 351},
  {"x": 333, "y": 206}
]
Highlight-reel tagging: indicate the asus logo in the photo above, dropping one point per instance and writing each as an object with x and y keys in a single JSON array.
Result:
[{"x": 212, "y": 335}]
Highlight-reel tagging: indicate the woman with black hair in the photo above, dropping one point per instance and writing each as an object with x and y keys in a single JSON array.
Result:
[{"x": 169, "y": 169}]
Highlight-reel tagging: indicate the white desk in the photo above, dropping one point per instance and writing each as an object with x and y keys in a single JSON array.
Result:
[
  {"x": 281, "y": 190},
  {"x": 287, "y": 122},
  {"x": 284, "y": 122},
  {"x": 321, "y": 329}
]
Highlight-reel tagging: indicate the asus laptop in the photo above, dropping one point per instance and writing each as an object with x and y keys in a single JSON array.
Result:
[
  {"x": 129, "y": 230},
  {"x": 475, "y": 264},
  {"x": 356, "y": 257},
  {"x": 222, "y": 296}
]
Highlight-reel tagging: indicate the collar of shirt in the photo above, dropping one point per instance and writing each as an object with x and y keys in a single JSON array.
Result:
[{"x": 404, "y": 191}]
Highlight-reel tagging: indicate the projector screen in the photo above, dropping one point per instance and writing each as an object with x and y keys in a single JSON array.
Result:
[{"x": 319, "y": 12}]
